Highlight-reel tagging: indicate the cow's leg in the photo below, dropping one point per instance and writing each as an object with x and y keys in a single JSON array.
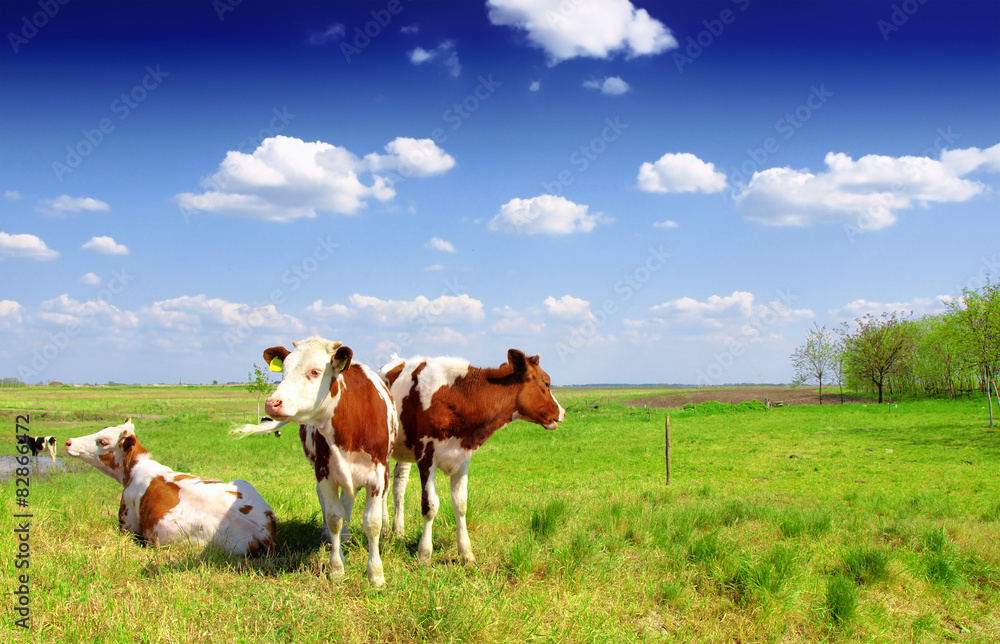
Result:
[
  {"x": 372, "y": 522},
  {"x": 334, "y": 513},
  {"x": 322, "y": 512},
  {"x": 346, "y": 502},
  {"x": 459, "y": 497},
  {"x": 429, "y": 507},
  {"x": 400, "y": 477}
]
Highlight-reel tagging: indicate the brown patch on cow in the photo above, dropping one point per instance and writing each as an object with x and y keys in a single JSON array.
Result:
[
  {"x": 359, "y": 424},
  {"x": 426, "y": 466},
  {"x": 246, "y": 509},
  {"x": 161, "y": 497},
  {"x": 108, "y": 458},
  {"x": 334, "y": 387},
  {"x": 131, "y": 450},
  {"x": 122, "y": 515},
  {"x": 236, "y": 493},
  {"x": 183, "y": 477},
  {"x": 322, "y": 462},
  {"x": 393, "y": 373}
]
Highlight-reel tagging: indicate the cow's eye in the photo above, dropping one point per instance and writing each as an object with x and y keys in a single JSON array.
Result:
[
  {"x": 102, "y": 442},
  {"x": 315, "y": 373}
]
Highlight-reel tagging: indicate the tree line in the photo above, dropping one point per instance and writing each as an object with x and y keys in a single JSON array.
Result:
[{"x": 954, "y": 353}]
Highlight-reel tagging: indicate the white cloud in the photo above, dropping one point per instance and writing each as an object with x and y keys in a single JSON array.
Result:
[
  {"x": 545, "y": 214},
  {"x": 106, "y": 246},
  {"x": 436, "y": 243},
  {"x": 611, "y": 86},
  {"x": 65, "y": 310},
  {"x": 332, "y": 33},
  {"x": 446, "y": 309},
  {"x": 10, "y": 312},
  {"x": 918, "y": 306},
  {"x": 195, "y": 312},
  {"x": 11, "y": 195},
  {"x": 444, "y": 53},
  {"x": 535, "y": 86},
  {"x": 411, "y": 158},
  {"x": 591, "y": 28},
  {"x": 90, "y": 279},
  {"x": 433, "y": 268},
  {"x": 680, "y": 172},
  {"x": 64, "y": 203},
  {"x": 733, "y": 314},
  {"x": 972, "y": 159},
  {"x": 866, "y": 193},
  {"x": 669, "y": 223},
  {"x": 24, "y": 245},
  {"x": 286, "y": 178},
  {"x": 409, "y": 30},
  {"x": 568, "y": 308}
]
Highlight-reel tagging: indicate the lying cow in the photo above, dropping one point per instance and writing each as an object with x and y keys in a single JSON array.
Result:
[
  {"x": 164, "y": 507},
  {"x": 348, "y": 429},
  {"x": 447, "y": 410},
  {"x": 38, "y": 443}
]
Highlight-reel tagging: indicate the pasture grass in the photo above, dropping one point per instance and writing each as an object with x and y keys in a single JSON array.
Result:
[{"x": 836, "y": 523}]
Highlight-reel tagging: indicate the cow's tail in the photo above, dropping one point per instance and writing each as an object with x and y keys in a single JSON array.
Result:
[{"x": 266, "y": 427}]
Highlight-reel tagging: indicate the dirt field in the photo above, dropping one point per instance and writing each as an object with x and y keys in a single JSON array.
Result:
[{"x": 734, "y": 395}]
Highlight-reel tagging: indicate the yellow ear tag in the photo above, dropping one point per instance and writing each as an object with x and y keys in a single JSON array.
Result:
[{"x": 275, "y": 364}]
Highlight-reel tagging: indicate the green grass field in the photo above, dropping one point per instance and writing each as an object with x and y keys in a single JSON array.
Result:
[{"x": 835, "y": 523}]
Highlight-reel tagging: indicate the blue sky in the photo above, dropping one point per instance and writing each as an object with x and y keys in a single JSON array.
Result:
[{"x": 640, "y": 192}]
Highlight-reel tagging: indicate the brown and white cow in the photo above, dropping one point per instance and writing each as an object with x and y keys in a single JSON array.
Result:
[
  {"x": 348, "y": 430},
  {"x": 165, "y": 507},
  {"x": 447, "y": 410}
]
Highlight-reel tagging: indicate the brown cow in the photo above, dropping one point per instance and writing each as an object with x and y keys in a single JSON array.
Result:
[{"x": 447, "y": 410}]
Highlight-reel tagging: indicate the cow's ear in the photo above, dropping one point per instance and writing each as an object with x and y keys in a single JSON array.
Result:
[
  {"x": 127, "y": 442},
  {"x": 341, "y": 360},
  {"x": 274, "y": 356},
  {"x": 517, "y": 361},
  {"x": 533, "y": 360}
]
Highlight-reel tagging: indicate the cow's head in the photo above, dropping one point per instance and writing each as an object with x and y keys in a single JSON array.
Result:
[
  {"x": 309, "y": 373},
  {"x": 535, "y": 401},
  {"x": 108, "y": 449}
]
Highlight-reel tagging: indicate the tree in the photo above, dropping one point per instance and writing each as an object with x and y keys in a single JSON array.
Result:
[
  {"x": 815, "y": 358},
  {"x": 258, "y": 384},
  {"x": 977, "y": 316},
  {"x": 878, "y": 350}
]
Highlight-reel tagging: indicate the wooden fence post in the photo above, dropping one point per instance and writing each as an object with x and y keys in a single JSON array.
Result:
[{"x": 668, "y": 449}]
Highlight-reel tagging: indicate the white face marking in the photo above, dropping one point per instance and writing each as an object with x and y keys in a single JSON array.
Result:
[
  {"x": 305, "y": 385},
  {"x": 90, "y": 448}
]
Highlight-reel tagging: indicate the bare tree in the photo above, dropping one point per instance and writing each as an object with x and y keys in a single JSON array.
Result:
[
  {"x": 815, "y": 359},
  {"x": 878, "y": 349}
]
